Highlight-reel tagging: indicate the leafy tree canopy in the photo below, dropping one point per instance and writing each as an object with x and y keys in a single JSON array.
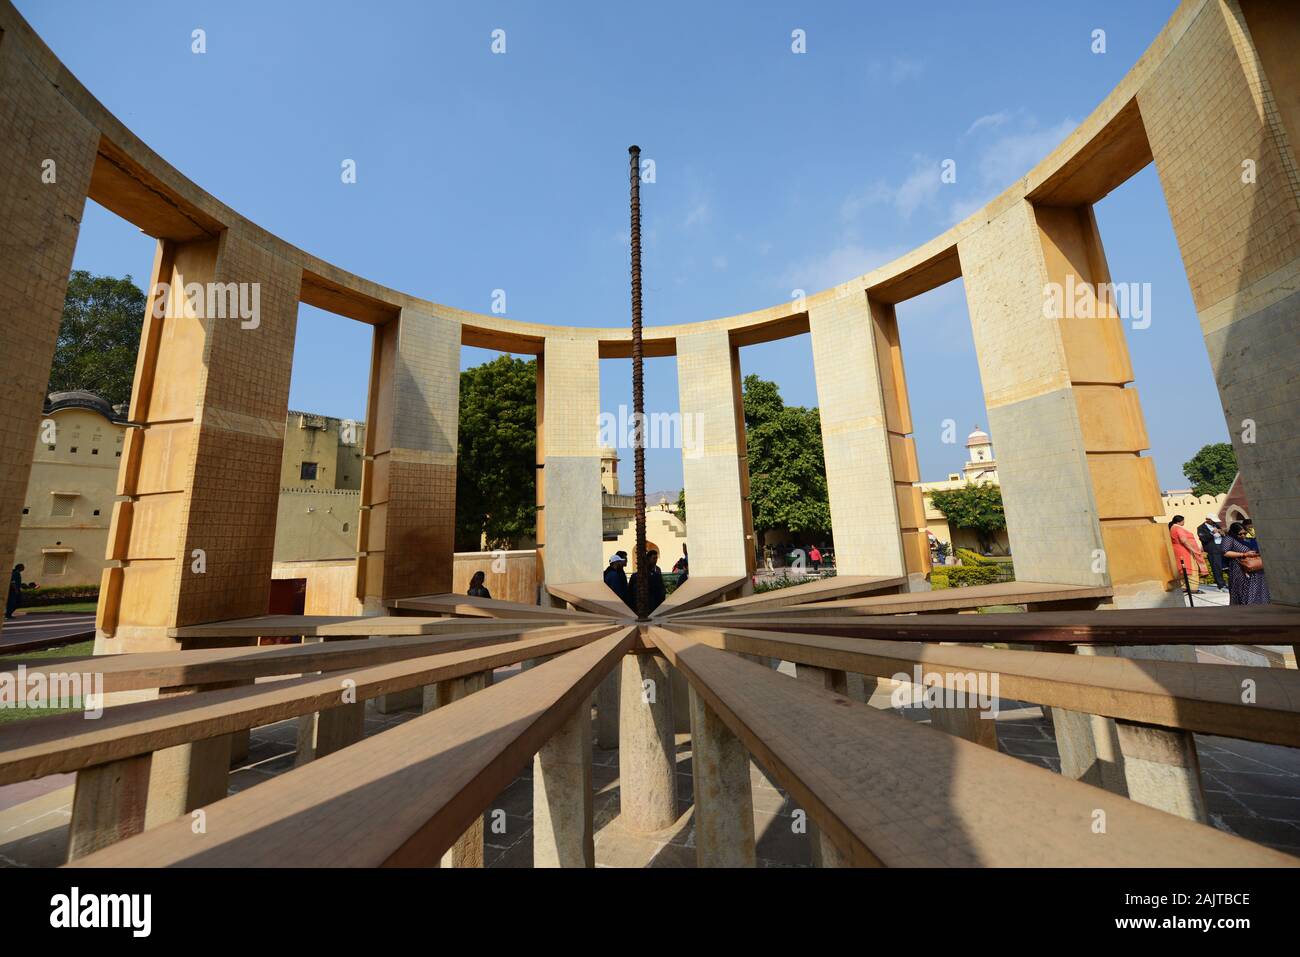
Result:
[
  {"x": 1212, "y": 469},
  {"x": 98, "y": 337},
  {"x": 787, "y": 472},
  {"x": 496, "y": 471},
  {"x": 977, "y": 507}
]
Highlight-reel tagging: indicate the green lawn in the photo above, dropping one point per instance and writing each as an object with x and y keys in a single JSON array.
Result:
[
  {"x": 89, "y": 606},
  {"x": 80, "y": 649}
]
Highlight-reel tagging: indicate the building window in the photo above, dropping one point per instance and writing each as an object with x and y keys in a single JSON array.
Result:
[
  {"x": 308, "y": 473},
  {"x": 345, "y": 526},
  {"x": 62, "y": 506},
  {"x": 26, "y": 511},
  {"x": 73, "y": 449},
  {"x": 96, "y": 512},
  {"x": 54, "y": 563},
  {"x": 94, "y": 451}
]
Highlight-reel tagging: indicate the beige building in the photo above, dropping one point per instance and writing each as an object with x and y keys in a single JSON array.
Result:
[
  {"x": 63, "y": 535},
  {"x": 665, "y": 530},
  {"x": 981, "y": 468},
  {"x": 320, "y": 488}
]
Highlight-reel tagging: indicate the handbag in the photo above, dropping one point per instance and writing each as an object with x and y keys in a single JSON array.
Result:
[{"x": 1251, "y": 563}]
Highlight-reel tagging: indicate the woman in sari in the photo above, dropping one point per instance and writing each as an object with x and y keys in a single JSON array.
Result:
[
  {"x": 1187, "y": 552},
  {"x": 1245, "y": 586}
]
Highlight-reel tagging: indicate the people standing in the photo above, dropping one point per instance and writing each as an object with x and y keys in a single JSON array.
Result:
[
  {"x": 1246, "y": 582},
  {"x": 1187, "y": 552},
  {"x": 657, "y": 591},
  {"x": 682, "y": 569},
  {"x": 1211, "y": 536},
  {"x": 616, "y": 576},
  {"x": 476, "y": 587},
  {"x": 815, "y": 556}
]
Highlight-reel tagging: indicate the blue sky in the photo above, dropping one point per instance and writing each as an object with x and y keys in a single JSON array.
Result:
[{"x": 775, "y": 171}]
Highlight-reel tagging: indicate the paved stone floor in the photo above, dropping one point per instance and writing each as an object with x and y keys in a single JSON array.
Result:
[{"x": 1252, "y": 790}]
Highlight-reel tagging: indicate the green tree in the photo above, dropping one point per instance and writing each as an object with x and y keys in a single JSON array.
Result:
[
  {"x": 496, "y": 471},
  {"x": 98, "y": 337},
  {"x": 681, "y": 505},
  {"x": 787, "y": 471},
  {"x": 1212, "y": 469},
  {"x": 977, "y": 507}
]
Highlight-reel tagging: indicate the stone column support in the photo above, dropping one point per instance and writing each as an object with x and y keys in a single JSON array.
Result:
[
  {"x": 468, "y": 850},
  {"x": 1223, "y": 122},
  {"x": 1162, "y": 770},
  {"x": 408, "y": 484},
  {"x": 1077, "y": 493},
  {"x": 108, "y": 804},
  {"x": 563, "y": 834},
  {"x": 647, "y": 754},
  {"x": 607, "y": 708},
  {"x": 42, "y": 135},
  {"x": 724, "y": 802},
  {"x": 714, "y": 468},
  {"x": 870, "y": 460},
  {"x": 569, "y": 524}
]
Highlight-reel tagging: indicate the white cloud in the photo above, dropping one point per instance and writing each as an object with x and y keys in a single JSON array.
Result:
[
  {"x": 989, "y": 121},
  {"x": 920, "y": 188},
  {"x": 1011, "y": 156},
  {"x": 839, "y": 265}
]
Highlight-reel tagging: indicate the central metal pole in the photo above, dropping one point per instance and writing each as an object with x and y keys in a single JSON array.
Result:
[{"x": 642, "y": 596}]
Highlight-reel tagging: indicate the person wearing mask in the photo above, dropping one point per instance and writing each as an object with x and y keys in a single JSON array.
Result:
[
  {"x": 1187, "y": 553},
  {"x": 616, "y": 576},
  {"x": 476, "y": 587},
  {"x": 1246, "y": 582},
  {"x": 656, "y": 582},
  {"x": 1211, "y": 536}
]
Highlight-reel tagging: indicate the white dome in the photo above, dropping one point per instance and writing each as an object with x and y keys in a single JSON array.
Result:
[{"x": 978, "y": 437}]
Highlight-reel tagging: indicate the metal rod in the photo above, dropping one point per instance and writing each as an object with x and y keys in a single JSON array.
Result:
[{"x": 642, "y": 596}]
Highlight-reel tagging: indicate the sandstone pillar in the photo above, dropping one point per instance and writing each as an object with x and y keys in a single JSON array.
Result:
[
  {"x": 1223, "y": 121},
  {"x": 607, "y": 707},
  {"x": 468, "y": 849},
  {"x": 647, "y": 754},
  {"x": 724, "y": 803},
  {"x": 108, "y": 804},
  {"x": 563, "y": 834},
  {"x": 876, "y": 512},
  {"x": 210, "y": 392},
  {"x": 569, "y": 520},
  {"x": 714, "y": 468},
  {"x": 43, "y": 136},
  {"x": 1078, "y": 495},
  {"x": 408, "y": 482}
]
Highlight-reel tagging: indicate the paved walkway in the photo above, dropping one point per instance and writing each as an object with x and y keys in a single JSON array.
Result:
[{"x": 29, "y": 630}]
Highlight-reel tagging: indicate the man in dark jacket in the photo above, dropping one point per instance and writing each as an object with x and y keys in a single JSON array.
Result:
[
  {"x": 1211, "y": 536},
  {"x": 616, "y": 577},
  {"x": 657, "y": 592}
]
